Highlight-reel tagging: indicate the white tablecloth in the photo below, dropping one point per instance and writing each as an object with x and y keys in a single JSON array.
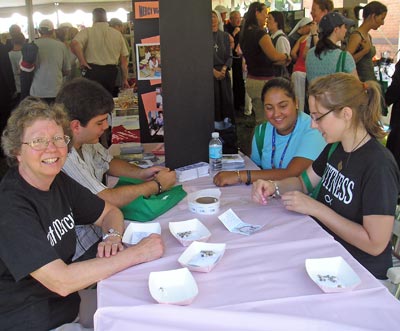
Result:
[{"x": 259, "y": 284}]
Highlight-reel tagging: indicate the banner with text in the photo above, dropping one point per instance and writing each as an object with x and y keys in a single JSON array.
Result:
[{"x": 146, "y": 9}]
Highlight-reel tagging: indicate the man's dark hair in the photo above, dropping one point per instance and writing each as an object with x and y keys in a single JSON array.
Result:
[
  {"x": 99, "y": 15},
  {"x": 85, "y": 99}
]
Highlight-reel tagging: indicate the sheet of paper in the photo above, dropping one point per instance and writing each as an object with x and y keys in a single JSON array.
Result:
[
  {"x": 234, "y": 224},
  {"x": 151, "y": 40},
  {"x": 149, "y": 101}
]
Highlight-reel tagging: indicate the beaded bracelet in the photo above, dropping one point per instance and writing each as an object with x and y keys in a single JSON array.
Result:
[
  {"x": 159, "y": 185},
  {"x": 248, "y": 181}
]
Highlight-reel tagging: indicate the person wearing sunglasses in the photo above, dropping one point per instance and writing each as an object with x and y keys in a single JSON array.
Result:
[
  {"x": 39, "y": 209},
  {"x": 355, "y": 180}
]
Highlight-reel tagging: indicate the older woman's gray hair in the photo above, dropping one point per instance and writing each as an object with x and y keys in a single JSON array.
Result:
[{"x": 29, "y": 111}]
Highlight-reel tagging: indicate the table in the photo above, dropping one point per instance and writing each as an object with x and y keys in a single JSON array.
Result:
[{"x": 260, "y": 283}]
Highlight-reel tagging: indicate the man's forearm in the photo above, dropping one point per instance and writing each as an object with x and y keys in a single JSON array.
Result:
[{"x": 122, "y": 195}]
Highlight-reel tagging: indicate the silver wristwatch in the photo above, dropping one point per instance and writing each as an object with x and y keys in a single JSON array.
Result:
[{"x": 112, "y": 233}]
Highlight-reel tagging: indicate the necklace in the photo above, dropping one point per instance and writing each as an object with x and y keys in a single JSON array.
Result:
[
  {"x": 274, "y": 147},
  {"x": 215, "y": 42},
  {"x": 340, "y": 164}
]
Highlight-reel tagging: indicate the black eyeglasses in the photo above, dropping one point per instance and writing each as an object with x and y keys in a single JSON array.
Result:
[
  {"x": 317, "y": 119},
  {"x": 41, "y": 143}
]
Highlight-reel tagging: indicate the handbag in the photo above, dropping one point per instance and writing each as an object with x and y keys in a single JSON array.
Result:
[{"x": 144, "y": 209}]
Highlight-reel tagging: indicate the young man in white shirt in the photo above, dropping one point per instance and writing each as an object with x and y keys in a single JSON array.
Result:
[{"x": 88, "y": 105}]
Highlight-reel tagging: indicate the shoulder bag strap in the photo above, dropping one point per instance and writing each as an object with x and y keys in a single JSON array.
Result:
[
  {"x": 344, "y": 53},
  {"x": 315, "y": 192},
  {"x": 341, "y": 61},
  {"x": 260, "y": 135}
]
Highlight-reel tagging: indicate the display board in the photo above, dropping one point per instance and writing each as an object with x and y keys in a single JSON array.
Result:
[
  {"x": 174, "y": 64},
  {"x": 148, "y": 66},
  {"x": 187, "y": 76}
]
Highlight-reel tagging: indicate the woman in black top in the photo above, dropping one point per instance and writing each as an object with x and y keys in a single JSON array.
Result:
[{"x": 259, "y": 54}]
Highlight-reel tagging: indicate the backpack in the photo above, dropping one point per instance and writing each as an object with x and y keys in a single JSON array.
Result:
[
  {"x": 27, "y": 65},
  {"x": 280, "y": 70}
]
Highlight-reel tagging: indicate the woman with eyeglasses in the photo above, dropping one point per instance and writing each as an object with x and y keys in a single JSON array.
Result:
[
  {"x": 283, "y": 146},
  {"x": 355, "y": 179},
  {"x": 39, "y": 207}
]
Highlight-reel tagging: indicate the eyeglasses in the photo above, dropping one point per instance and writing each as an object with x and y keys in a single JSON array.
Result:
[
  {"x": 41, "y": 143},
  {"x": 317, "y": 119}
]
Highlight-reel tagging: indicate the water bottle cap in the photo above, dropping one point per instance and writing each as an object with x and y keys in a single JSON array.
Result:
[{"x": 215, "y": 135}]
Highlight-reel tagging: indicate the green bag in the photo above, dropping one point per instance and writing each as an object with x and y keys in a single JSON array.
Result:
[{"x": 144, "y": 209}]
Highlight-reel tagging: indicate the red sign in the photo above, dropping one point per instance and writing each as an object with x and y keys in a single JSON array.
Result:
[{"x": 146, "y": 9}]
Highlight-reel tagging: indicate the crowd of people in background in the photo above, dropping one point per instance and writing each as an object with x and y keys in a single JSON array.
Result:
[
  {"x": 263, "y": 48},
  {"x": 58, "y": 55}
]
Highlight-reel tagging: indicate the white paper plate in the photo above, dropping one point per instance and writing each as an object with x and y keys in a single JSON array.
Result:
[
  {"x": 202, "y": 257},
  {"x": 332, "y": 274},
  {"x": 137, "y": 231},
  {"x": 188, "y": 231},
  {"x": 176, "y": 287}
]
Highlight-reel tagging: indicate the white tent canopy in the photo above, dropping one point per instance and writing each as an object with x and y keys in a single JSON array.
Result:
[
  {"x": 9, "y": 7},
  {"x": 48, "y": 7}
]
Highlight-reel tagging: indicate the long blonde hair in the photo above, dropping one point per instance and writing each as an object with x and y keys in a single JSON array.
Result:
[{"x": 340, "y": 90}]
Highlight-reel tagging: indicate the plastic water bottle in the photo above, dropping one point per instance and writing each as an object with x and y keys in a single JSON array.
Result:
[{"x": 215, "y": 153}]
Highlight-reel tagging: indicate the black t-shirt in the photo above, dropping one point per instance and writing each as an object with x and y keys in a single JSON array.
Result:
[
  {"x": 36, "y": 228},
  {"x": 229, "y": 28},
  {"x": 258, "y": 64},
  {"x": 364, "y": 182}
]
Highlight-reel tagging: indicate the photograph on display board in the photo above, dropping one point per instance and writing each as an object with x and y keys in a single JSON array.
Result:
[
  {"x": 156, "y": 123},
  {"x": 155, "y": 117},
  {"x": 124, "y": 128},
  {"x": 148, "y": 57},
  {"x": 125, "y": 125}
]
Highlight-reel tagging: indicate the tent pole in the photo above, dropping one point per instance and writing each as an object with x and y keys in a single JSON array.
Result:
[{"x": 29, "y": 15}]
